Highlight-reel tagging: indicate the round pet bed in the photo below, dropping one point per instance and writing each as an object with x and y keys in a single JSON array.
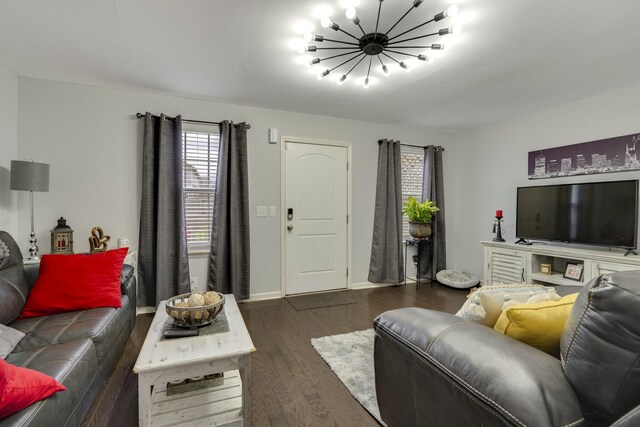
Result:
[{"x": 457, "y": 279}]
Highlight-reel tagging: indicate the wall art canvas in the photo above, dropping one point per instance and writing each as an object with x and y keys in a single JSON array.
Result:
[{"x": 605, "y": 155}]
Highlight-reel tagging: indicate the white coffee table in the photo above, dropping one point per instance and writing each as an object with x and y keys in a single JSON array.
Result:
[{"x": 163, "y": 360}]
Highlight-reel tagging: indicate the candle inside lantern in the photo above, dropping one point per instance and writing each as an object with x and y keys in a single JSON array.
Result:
[{"x": 499, "y": 213}]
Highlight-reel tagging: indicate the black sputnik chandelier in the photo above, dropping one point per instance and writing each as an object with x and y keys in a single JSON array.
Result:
[{"x": 378, "y": 48}]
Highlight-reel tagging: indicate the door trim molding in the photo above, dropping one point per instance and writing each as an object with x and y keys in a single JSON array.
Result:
[{"x": 283, "y": 208}]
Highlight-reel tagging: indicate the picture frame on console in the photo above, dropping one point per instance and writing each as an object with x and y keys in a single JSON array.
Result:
[{"x": 574, "y": 271}]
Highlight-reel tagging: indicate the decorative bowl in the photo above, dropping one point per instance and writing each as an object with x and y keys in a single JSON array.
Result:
[{"x": 192, "y": 317}]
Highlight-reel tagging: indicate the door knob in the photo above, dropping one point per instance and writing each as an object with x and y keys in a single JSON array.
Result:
[{"x": 289, "y": 227}]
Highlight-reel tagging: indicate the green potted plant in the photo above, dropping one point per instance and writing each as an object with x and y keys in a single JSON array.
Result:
[{"x": 420, "y": 215}]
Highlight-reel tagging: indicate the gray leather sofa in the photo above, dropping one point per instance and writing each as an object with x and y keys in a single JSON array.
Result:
[
  {"x": 79, "y": 349},
  {"x": 436, "y": 369}
]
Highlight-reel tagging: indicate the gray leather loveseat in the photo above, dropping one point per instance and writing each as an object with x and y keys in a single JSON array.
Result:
[
  {"x": 436, "y": 369},
  {"x": 79, "y": 349}
]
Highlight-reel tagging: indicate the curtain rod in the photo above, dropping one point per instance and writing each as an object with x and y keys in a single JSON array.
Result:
[
  {"x": 435, "y": 147},
  {"x": 202, "y": 122}
]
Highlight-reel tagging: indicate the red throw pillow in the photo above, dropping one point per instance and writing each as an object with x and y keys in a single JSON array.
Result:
[
  {"x": 76, "y": 282},
  {"x": 20, "y": 387}
]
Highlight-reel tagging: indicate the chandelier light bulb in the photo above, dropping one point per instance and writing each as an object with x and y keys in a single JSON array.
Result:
[
  {"x": 452, "y": 11},
  {"x": 325, "y": 22},
  {"x": 314, "y": 61},
  {"x": 342, "y": 79},
  {"x": 366, "y": 82},
  {"x": 385, "y": 70},
  {"x": 456, "y": 29},
  {"x": 404, "y": 66},
  {"x": 302, "y": 49},
  {"x": 423, "y": 57},
  {"x": 323, "y": 74},
  {"x": 350, "y": 13},
  {"x": 417, "y": 3},
  {"x": 308, "y": 37}
]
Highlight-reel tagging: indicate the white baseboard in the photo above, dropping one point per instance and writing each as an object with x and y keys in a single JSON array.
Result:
[
  {"x": 368, "y": 285},
  {"x": 263, "y": 296},
  {"x": 145, "y": 310}
]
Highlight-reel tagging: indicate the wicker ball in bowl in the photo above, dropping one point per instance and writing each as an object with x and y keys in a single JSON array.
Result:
[{"x": 195, "y": 309}]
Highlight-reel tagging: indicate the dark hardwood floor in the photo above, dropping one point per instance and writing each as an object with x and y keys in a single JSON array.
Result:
[{"x": 292, "y": 385}]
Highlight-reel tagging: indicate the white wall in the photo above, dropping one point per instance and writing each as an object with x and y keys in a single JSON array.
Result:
[
  {"x": 491, "y": 162},
  {"x": 8, "y": 151},
  {"x": 93, "y": 143}
]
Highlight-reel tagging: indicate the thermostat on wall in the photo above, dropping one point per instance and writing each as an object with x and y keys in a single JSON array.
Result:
[{"x": 273, "y": 136}]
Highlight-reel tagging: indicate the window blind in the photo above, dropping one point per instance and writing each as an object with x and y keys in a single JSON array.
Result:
[
  {"x": 412, "y": 169},
  {"x": 200, "y": 157}
]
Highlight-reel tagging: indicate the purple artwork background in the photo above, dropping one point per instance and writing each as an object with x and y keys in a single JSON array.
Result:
[{"x": 613, "y": 148}]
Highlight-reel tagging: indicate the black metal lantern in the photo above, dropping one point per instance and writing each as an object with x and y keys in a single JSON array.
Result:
[{"x": 62, "y": 238}]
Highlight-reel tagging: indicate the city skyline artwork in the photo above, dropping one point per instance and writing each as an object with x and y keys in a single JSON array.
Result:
[{"x": 615, "y": 154}]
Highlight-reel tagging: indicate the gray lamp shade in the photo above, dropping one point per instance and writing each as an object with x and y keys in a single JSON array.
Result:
[{"x": 29, "y": 176}]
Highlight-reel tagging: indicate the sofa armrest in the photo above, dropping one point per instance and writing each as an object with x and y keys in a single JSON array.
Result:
[
  {"x": 433, "y": 368},
  {"x": 31, "y": 272},
  {"x": 128, "y": 283},
  {"x": 630, "y": 419}
]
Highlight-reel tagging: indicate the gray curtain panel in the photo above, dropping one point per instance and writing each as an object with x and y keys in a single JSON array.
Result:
[
  {"x": 386, "y": 264},
  {"x": 163, "y": 262},
  {"x": 434, "y": 258},
  {"x": 229, "y": 257}
]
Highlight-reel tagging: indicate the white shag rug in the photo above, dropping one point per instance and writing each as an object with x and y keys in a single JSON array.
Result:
[{"x": 350, "y": 357}]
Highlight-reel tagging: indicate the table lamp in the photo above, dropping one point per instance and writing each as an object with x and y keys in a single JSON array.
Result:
[{"x": 30, "y": 176}]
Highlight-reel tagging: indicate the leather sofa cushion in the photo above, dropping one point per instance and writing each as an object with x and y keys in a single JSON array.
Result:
[
  {"x": 435, "y": 369},
  {"x": 101, "y": 325},
  {"x": 71, "y": 364},
  {"x": 603, "y": 328},
  {"x": 14, "y": 289}
]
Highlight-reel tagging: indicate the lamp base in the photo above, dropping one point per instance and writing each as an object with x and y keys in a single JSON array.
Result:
[{"x": 33, "y": 248}]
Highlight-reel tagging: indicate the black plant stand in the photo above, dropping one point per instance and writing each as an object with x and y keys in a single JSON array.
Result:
[{"x": 419, "y": 244}]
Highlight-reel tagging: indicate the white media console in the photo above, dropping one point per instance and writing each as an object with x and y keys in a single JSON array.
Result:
[{"x": 512, "y": 263}]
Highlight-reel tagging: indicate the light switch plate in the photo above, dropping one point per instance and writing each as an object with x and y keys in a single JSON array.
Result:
[
  {"x": 273, "y": 136},
  {"x": 272, "y": 211},
  {"x": 262, "y": 211}
]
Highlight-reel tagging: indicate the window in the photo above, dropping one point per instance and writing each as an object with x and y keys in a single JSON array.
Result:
[
  {"x": 412, "y": 168},
  {"x": 200, "y": 157}
]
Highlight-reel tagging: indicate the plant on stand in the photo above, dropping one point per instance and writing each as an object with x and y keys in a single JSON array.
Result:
[{"x": 420, "y": 215}]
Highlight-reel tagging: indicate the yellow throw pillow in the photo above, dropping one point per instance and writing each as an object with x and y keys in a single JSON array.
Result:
[{"x": 540, "y": 325}]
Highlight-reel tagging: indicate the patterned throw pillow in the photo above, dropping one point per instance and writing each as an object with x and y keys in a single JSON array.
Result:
[
  {"x": 486, "y": 304},
  {"x": 4, "y": 250}
]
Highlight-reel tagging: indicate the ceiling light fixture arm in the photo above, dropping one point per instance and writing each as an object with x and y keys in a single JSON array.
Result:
[
  {"x": 341, "y": 41},
  {"x": 349, "y": 34},
  {"x": 336, "y": 56},
  {"x": 352, "y": 68},
  {"x": 414, "y": 38},
  {"x": 357, "y": 55},
  {"x": 403, "y": 16},
  {"x": 378, "y": 18},
  {"x": 337, "y": 48},
  {"x": 413, "y": 29},
  {"x": 391, "y": 58}
]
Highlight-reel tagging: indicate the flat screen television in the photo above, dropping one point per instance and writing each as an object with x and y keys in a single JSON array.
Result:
[{"x": 594, "y": 213}]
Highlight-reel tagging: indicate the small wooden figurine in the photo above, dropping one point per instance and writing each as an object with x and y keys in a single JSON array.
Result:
[{"x": 98, "y": 240}]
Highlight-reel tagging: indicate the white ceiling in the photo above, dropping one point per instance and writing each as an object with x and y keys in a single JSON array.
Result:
[{"x": 512, "y": 58}]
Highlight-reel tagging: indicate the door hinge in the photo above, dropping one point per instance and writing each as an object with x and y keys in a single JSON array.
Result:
[
  {"x": 347, "y": 218},
  {"x": 347, "y": 271},
  {"x": 347, "y": 165}
]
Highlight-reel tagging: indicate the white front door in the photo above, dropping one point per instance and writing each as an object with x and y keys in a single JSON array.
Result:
[{"x": 315, "y": 217}]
